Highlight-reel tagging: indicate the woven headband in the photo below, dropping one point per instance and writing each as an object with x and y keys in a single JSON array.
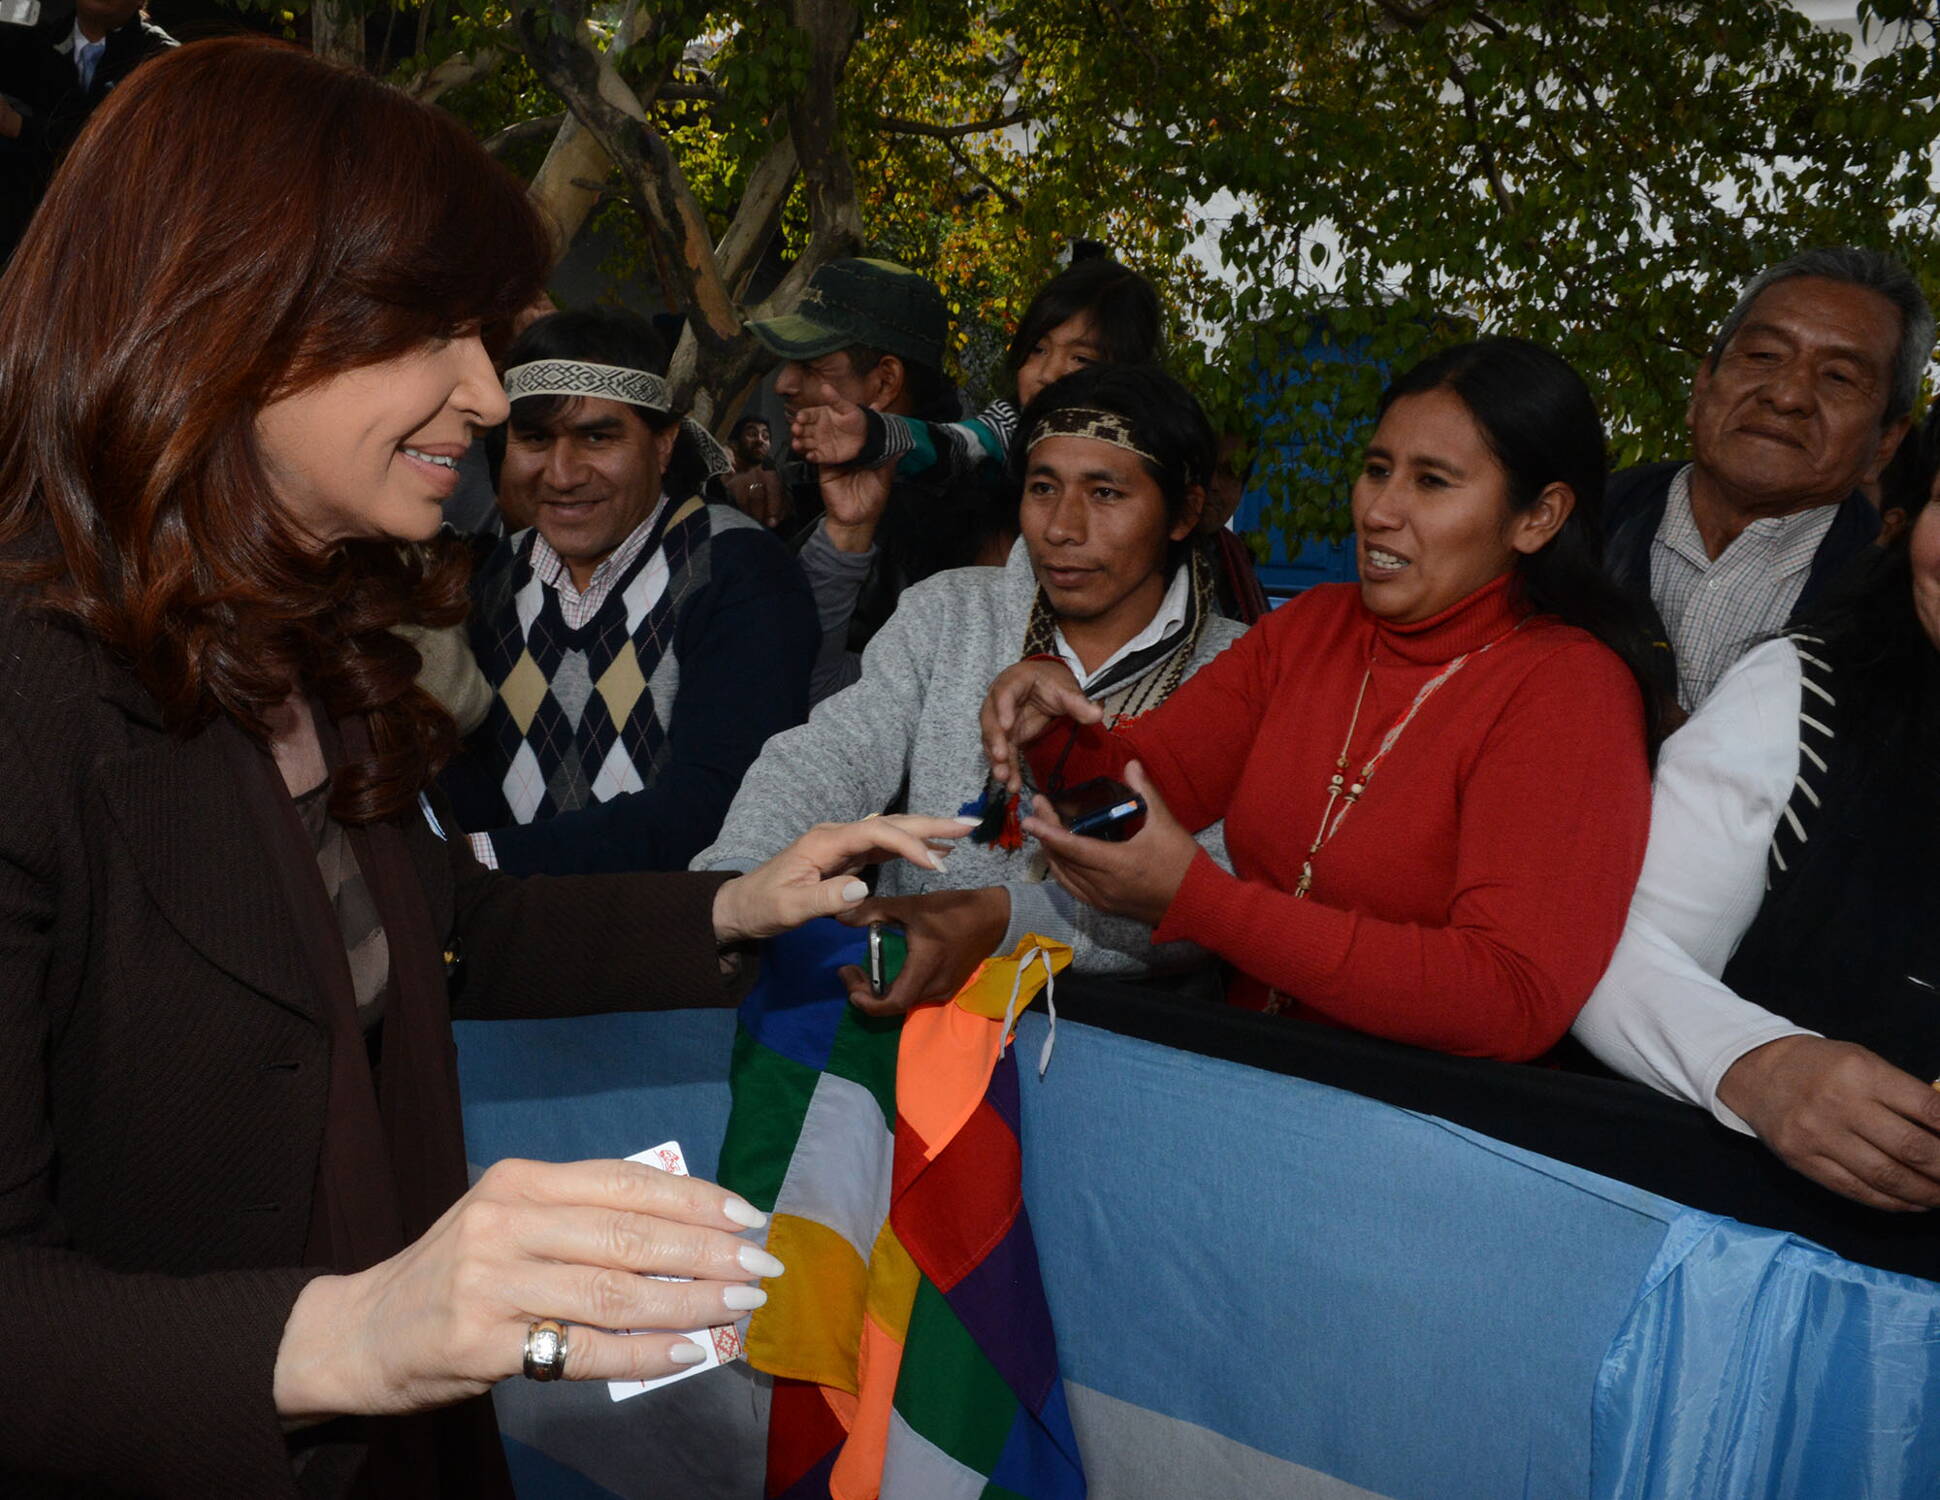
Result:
[
  {"x": 572, "y": 377},
  {"x": 642, "y": 388},
  {"x": 1088, "y": 422}
]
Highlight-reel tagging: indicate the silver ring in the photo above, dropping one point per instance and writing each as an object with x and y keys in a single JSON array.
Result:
[{"x": 545, "y": 1350}]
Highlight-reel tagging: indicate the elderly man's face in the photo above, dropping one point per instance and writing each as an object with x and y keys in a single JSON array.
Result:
[{"x": 1791, "y": 414}]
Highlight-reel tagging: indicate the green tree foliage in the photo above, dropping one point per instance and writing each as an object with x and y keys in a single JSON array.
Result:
[
  {"x": 1323, "y": 189},
  {"x": 1599, "y": 176}
]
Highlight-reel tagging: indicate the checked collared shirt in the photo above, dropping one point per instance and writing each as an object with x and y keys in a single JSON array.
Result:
[{"x": 1716, "y": 609}]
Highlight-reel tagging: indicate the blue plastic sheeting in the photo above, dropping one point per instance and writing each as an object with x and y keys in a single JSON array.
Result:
[
  {"x": 608, "y": 1086},
  {"x": 599, "y": 1086},
  {"x": 1304, "y": 1288},
  {"x": 1756, "y": 1364},
  {"x": 1372, "y": 1294}
]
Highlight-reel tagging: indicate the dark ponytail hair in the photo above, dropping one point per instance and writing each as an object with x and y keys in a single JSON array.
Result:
[{"x": 1541, "y": 423}]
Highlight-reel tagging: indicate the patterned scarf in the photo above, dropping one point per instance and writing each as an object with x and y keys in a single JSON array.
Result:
[{"x": 1132, "y": 687}]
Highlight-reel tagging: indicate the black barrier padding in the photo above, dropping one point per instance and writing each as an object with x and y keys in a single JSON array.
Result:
[{"x": 1604, "y": 1124}]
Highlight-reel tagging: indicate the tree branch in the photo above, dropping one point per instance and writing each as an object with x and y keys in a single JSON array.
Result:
[
  {"x": 835, "y": 221},
  {"x": 569, "y": 181},
  {"x": 1414, "y": 17},
  {"x": 1504, "y": 199},
  {"x": 337, "y": 32},
  {"x": 896, "y": 125},
  {"x": 701, "y": 91},
  {"x": 563, "y": 54},
  {"x": 522, "y": 130},
  {"x": 1009, "y": 199},
  {"x": 1132, "y": 36},
  {"x": 715, "y": 355},
  {"x": 454, "y": 72},
  {"x": 757, "y": 215}
]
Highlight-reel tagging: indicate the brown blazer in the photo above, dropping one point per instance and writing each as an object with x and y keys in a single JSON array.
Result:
[{"x": 163, "y": 1067}]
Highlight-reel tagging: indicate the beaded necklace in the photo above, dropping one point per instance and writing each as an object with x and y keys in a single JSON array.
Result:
[{"x": 1339, "y": 790}]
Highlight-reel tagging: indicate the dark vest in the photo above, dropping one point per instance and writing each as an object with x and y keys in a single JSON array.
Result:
[
  {"x": 1634, "y": 507},
  {"x": 1847, "y": 941}
]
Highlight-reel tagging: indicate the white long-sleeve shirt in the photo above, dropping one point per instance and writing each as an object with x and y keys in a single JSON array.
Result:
[{"x": 1662, "y": 1015}]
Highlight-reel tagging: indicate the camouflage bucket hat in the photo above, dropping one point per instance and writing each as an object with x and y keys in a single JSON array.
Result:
[{"x": 876, "y": 303}]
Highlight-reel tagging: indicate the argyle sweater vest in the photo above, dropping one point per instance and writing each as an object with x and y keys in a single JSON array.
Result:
[{"x": 580, "y": 716}]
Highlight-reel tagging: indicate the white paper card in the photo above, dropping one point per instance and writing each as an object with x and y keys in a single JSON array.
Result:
[{"x": 719, "y": 1345}]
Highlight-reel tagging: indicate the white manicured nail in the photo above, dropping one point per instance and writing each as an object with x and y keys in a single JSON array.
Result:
[
  {"x": 742, "y": 1298},
  {"x": 938, "y": 862},
  {"x": 969, "y": 820},
  {"x": 758, "y": 1262},
  {"x": 685, "y": 1353},
  {"x": 855, "y": 890},
  {"x": 744, "y": 1212}
]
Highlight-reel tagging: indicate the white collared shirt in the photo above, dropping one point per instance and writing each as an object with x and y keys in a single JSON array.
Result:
[
  {"x": 1716, "y": 608},
  {"x": 577, "y": 607},
  {"x": 1171, "y": 614}
]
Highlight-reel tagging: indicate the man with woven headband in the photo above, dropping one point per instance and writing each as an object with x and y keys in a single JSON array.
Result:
[
  {"x": 1112, "y": 465},
  {"x": 642, "y": 637}
]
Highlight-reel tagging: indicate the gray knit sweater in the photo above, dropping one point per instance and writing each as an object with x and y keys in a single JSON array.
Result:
[{"x": 912, "y": 719}]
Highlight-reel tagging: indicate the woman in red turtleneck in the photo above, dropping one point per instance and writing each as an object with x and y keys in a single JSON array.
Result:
[{"x": 1485, "y": 697}]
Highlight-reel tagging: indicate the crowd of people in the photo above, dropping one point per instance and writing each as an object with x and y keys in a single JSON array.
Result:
[{"x": 299, "y": 770}]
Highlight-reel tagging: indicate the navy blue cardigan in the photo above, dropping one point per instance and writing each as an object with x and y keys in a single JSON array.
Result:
[{"x": 746, "y": 641}]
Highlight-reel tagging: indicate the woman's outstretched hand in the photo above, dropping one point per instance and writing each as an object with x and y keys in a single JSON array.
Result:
[
  {"x": 814, "y": 876},
  {"x": 1136, "y": 878},
  {"x": 578, "y": 1242},
  {"x": 1024, "y": 700}
]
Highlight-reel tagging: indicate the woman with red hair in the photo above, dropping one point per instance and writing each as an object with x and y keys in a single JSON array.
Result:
[{"x": 241, "y": 349}]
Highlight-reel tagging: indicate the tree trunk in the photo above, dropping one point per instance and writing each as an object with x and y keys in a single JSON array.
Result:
[
  {"x": 716, "y": 356},
  {"x": 337, "y": 31},
  {"x": 570, "y": 181},
  {"x": 715, "y": 370}
]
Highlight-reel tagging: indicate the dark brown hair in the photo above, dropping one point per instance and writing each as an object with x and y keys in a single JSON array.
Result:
[
  {"x": 1126, "y": 319},
  {"x": 238, "y": 223}
]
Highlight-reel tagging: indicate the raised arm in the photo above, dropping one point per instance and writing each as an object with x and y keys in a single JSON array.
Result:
[{"x": 839, "y": 432}]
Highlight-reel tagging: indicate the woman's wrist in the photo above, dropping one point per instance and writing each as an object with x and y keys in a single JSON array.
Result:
[{"x": 313, "y": 1382}]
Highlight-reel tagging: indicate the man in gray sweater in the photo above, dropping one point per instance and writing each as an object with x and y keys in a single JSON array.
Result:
[{"x": 1105, "y": 574}]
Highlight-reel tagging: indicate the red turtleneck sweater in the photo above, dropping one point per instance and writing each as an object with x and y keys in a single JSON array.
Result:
[{"x": 1473, "y": 896}]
